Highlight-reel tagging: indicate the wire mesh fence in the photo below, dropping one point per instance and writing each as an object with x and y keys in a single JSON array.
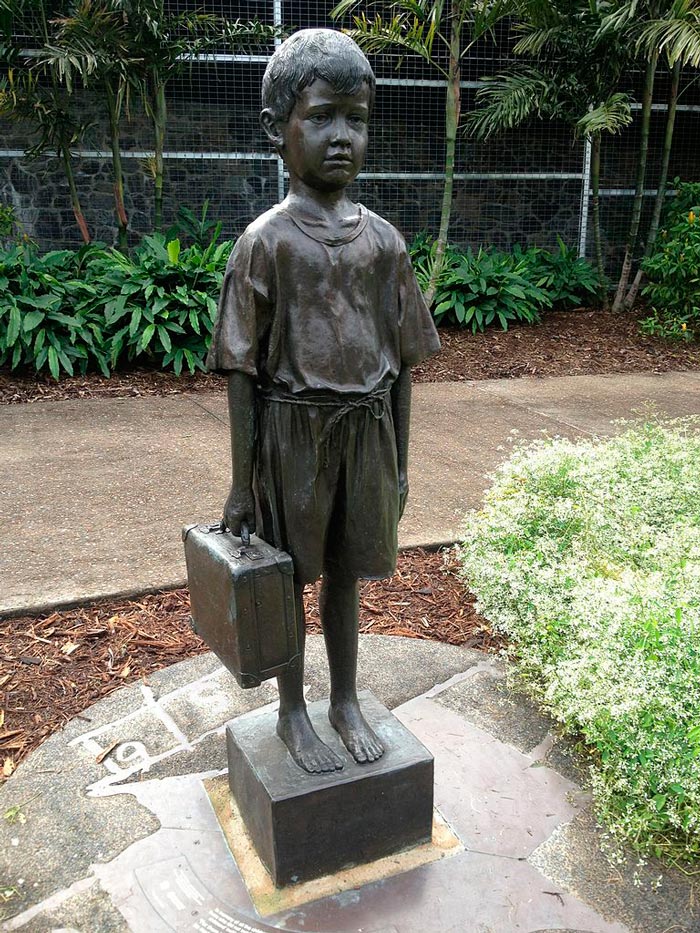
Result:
[{"x": 526, "y": 186}]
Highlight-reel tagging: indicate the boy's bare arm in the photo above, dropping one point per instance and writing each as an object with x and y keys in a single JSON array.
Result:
[
  {"x": 240, "y": 505},
  {"x": 401, "y": 410}
]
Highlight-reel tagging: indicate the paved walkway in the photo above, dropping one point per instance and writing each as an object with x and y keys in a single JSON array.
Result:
[
  {"x": 108, "y": 826},
  {"x": 94, "y": 492}
]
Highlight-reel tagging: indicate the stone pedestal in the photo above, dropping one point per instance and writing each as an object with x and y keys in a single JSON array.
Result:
[{"x": 307, "y": 825}]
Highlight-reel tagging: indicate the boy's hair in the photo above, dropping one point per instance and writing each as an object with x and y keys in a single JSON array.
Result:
[{"x": 308, "y": 55}]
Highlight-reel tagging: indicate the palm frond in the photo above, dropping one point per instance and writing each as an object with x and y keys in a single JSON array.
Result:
[
  {"x": 620, "y": 19},
  {"x": 541, "y": 13},
  {"x": 402, "y": 31},
  {"x": 343, "y": 8},
  {"x": 509, "y": 100},
  {"x": 483, "y": 16},
  {"x": 677, "y": 35},
  {"x": 612, "y": 116},
  {"x": 537, "y": 40}
]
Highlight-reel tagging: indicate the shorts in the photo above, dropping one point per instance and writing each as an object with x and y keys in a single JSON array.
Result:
[{"x": 326, "y": 483}]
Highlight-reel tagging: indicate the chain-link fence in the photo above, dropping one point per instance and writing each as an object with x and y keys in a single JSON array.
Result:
[{"x": 526, "y": 186}]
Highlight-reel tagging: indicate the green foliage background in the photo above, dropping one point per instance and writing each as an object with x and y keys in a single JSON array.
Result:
[
  {"x": 489, "y": 286},
  {"x": 673, "y": 269},
  {"x": 99, "y": 308}
]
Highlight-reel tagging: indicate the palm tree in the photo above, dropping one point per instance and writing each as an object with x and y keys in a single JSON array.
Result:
[
  {"x": 24, "y": 98},
  {"x": 165, "y": 44},
  {"x": 676, "y": 37},
  {"x": 417, "y": 27},
  {"x": 653, "y": 28},
  {"x": 92, "y": 43},
  {"x": 574, "y": 75},
  {"x": 33, "y": 92},
  {"x": 136, "y": 46}
]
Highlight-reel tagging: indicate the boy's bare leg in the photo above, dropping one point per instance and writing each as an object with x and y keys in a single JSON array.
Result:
[
  {"x": 339, "y": 604},
  {"x": 293, "y": 725}
]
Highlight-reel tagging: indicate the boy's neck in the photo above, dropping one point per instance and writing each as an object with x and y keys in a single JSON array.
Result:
[{"x": 330, "y": 206}]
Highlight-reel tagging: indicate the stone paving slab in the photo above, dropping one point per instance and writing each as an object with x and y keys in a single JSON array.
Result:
[
  {"x": 132, "y": 842},
  {"x": 96, "y": 490}
]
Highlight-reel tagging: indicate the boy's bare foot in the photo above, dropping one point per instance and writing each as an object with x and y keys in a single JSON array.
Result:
[
  {"x": 305, "y": 747},
  {"x": 360, "y": 740}
]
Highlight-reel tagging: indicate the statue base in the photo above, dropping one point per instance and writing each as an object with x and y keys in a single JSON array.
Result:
[{"x": 307, "y": 825}]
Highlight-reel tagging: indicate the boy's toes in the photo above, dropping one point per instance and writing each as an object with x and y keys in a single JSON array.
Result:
[
  {"x": 305, "y": 747},
  {"x": 359, "y": 739},
  {"x": 369, "y": 748}
]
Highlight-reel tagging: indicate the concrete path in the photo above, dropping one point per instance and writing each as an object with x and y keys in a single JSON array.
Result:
[
  {"x": 108, "y": 826},
  {"x": 94, "y": 492}
]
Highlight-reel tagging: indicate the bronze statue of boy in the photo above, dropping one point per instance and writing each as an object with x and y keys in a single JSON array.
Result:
[{"x": 320, "y": 320}]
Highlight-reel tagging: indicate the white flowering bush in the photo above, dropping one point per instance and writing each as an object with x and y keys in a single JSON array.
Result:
[{"x": 587, "y": 556}]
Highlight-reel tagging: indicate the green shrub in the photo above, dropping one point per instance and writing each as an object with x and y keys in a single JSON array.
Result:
[
  {"x": 495, "y": 287},
  {"x": 673, "y": 270},
  {"x": 422, "y": 252},
  {"x": 566, "y": 278},
  {"x": 160, "y": 303},
  {"x": 587, "y": 555},
  {"x": 98, "y": 307},
  {"x": 8, "y": 222},
  {"x": 487, "y": 287},
  {"x": 192, "y": 229},
  {"x": 43, "y": 321}
]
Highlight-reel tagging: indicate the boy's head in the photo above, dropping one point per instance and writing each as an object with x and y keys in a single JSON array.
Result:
[{"x": 307, "y": 56}]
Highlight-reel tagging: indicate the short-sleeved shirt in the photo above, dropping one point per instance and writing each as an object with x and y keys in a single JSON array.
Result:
[{"x": 303, "y": 311}]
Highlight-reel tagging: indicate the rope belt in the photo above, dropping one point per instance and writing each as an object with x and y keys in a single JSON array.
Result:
[{"x": 375, "y": 401}]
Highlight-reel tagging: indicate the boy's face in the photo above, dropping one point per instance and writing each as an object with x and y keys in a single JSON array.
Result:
[{"x": 325, "y": 137}]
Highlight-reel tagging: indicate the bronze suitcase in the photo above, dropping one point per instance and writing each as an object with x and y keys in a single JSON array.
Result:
[{"x": 242, "y": 602}]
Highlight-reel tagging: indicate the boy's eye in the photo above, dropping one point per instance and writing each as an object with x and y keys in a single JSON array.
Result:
[{"x": 318, "y": 118}]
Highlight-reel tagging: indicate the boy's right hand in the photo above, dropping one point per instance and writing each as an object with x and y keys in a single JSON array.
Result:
[{"x": 240, "y": 507}]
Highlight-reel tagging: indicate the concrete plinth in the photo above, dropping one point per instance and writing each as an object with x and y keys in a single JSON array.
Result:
[{"x": 307, "y": 825}]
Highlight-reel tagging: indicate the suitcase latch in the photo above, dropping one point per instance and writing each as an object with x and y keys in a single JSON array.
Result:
[{"x": 252, "y": 553}]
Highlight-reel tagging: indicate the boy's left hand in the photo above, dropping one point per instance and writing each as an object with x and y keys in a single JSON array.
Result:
[{"x": 403, "y": 493}]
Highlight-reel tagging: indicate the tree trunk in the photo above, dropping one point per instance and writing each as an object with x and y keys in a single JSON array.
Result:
[
  {"x": 639, "y": 188},
  {"x": 597, "y": 238},
  {"x": 452, "y": 114},
  {"x": 663, "y": 178},
  {"x": 114, "y": 107},
  {"x": 159, "y": 124},
  {"x": 74, "y": 197}
]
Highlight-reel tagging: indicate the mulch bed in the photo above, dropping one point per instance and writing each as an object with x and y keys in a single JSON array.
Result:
[
  {"x": 55, "y": 665},
  {"x": 566, "y": 343}
]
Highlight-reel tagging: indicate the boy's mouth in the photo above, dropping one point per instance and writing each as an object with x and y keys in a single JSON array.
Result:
[{"x": 339, "y": 158}]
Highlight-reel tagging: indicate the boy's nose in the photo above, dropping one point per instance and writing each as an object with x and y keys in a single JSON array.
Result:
[{"x": 340, "y": 130}]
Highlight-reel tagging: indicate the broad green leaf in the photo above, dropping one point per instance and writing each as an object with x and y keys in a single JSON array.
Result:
[
  {"x": 164, "y": 338},
  {"x": 135, "y": 321},
  {"x": 173, "y": 251},
  {"x": 13, "y": 327},
  {"x": 147, "y": 336},
  {"x": 31, "y": 320},
  {"x": 65, "y": 362},
  {"x": 54, "y": 368}
]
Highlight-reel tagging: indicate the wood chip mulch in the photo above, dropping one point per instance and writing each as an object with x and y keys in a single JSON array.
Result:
[
  {"x": 580, "y": 342},
  {"x": 583, "y": 342},
  {"x": 53, "y": 666}
]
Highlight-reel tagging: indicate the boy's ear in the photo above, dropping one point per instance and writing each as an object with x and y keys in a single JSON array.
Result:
[{"x": 272, "y": 128}]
